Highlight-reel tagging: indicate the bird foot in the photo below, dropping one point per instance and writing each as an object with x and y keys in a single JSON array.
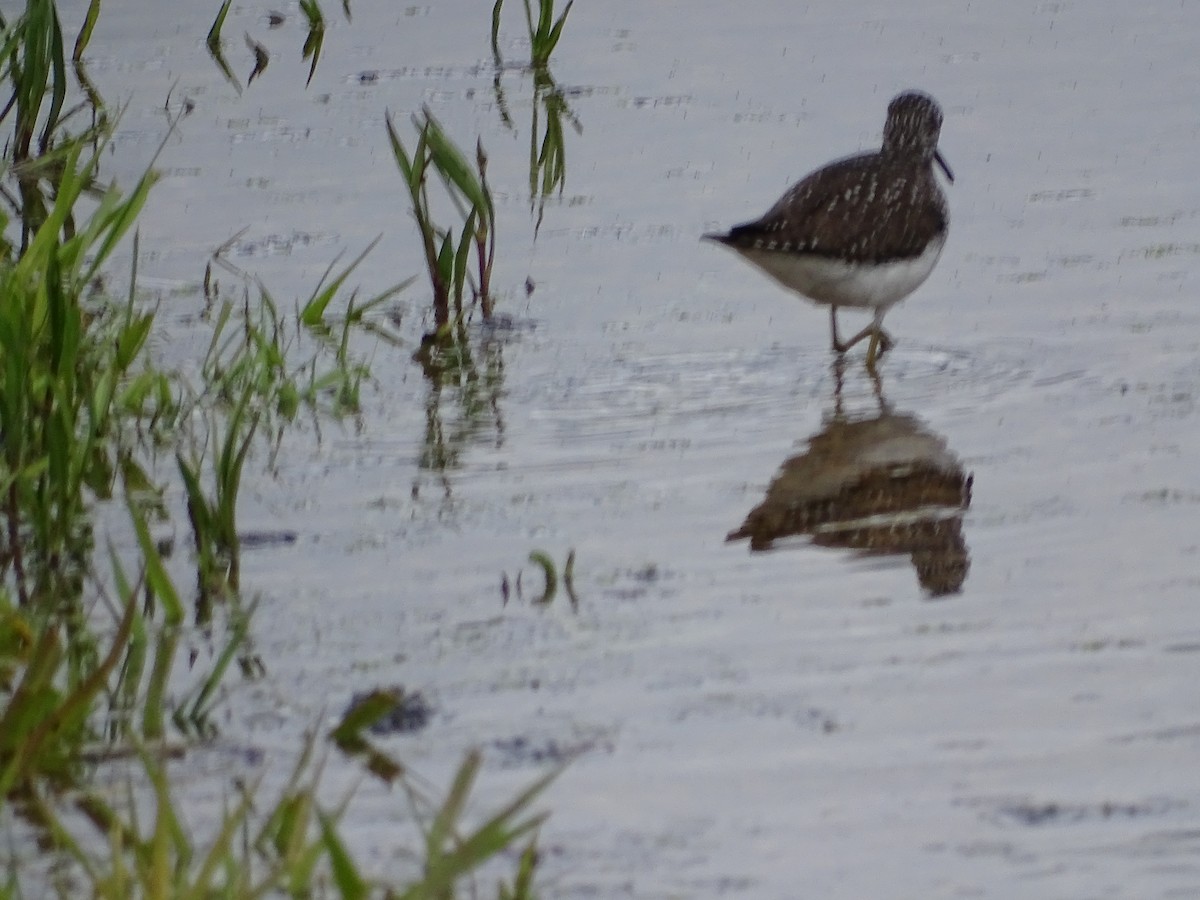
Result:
[{"x": 881, "y": 339}]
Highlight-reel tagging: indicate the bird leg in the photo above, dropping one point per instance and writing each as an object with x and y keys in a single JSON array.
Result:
[
  {"x": 871, "y": 351},
  {"x": 837, "y": 344},
  {"x": 873, "y": 331},
  {"x": 880, "y": 342}
]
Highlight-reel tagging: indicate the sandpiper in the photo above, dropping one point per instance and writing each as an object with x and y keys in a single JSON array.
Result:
[{"x": 864, "y": 231}]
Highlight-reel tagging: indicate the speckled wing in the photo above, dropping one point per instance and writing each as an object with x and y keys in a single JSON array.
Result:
[{"x": 852, "y": 211}]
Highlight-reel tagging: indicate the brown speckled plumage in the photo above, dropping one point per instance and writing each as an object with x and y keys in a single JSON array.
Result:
[
  {"x": 872, "y": 212},
  {"x": 874, "y": 207}
]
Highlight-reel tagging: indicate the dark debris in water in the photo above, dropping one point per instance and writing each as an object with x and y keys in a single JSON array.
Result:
[
  {"x": 503, "y": 324},
  {"x": 253, "y": 540},
  {"x": 522, "y": 750},
  {"x": 727, "y": 708},
  {"x": 1036, "y": 814},
  {"x": 635, "y": 584}
]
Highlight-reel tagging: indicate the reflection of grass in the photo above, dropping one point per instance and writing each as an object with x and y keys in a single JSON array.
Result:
[
  {"x": 261, "y": 59},
  {"x": 474, "y": 382},
  {"x": 213, "y": 43},
  {"x": 314, "y": 41},
  {"x": 547, "y": 151},
  {"x": 92, "y": 645},
  {"x": 548, "y": 163},
  {"x": 550, "y": 580},
  {"x": 33, "y": 63},
  {"x": 1161, "y": 251}
]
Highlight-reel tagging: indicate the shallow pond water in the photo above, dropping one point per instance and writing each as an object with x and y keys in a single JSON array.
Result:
[{"x": 801, "y": 720}]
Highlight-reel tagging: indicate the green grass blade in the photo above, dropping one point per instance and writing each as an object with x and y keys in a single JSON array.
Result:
[
  {"x": 445, "y": 261},
  {"x": 201, "y": 513},
  {"x": 551, "y": 577},
  {"x": 239, "y": 632},
  {"x": 157, "y": 579},
  {"x": 214, "y": 33},
  {"x": 85, "y": 32},
  {"x": 496, "y": 31},
  {"x": 221, "y": 848},
  {"x": 157, "y": 688},
  {"x": 462, "y": 256},
  {"x": 556, "y": 31},
  {"x": 313, "y": 312},
  {"x": 545, "y": 11},
  {"x": 315, "y": 39},
  {"x": 365, "y": 713},
  {"x": 452, "y": 164},
  {"x": 213, "y": 42},
  {"x": 445, "y": 824},
  {"x": 362, "y": 309},
  {"x": 119, "y": 224},
  {"x": 58, "y": 83},
  {"x": 76, "y": 706},
  {"x": 346, "y": 877},
  {"x": 402, "y": 158}
]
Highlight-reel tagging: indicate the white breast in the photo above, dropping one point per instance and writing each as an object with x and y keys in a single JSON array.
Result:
[{"x": 838, "y": 283}]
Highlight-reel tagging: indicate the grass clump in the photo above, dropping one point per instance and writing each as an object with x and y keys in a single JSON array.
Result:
[
  {"x": 98, "y": 662},
  {"x": 448, "y": 251},
  {"x": 543, "y": 30},
  {"x": 66, "y": 377}
]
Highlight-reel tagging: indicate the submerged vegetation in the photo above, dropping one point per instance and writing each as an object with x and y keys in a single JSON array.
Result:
[{"x": 94, "y": 622}]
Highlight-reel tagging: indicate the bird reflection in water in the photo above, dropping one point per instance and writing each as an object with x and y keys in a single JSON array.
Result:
[{"x": 879, "y": 484}]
